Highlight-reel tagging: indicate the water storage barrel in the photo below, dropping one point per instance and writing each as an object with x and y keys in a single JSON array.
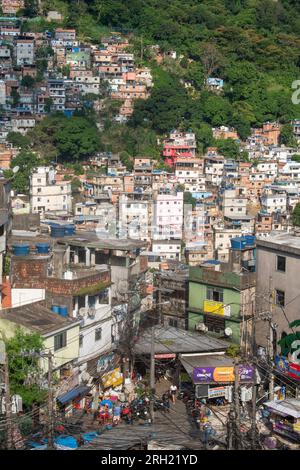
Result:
[
  {"x": 238, "y": 243},
  {"x": 43, "y": 248},
  {"x": 21, "y": 250},
  {"x": 55, "y": 309},
  {"x": 58, "y": 232},
  {"x": 250, "y": 239},
  {"x": 69, "y": 230},
  {"x": 63, "y": 310}
]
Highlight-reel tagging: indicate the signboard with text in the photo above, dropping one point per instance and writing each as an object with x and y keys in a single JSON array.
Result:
[
  {"x": 222, "y": 374},
  {"x": 217, "y": 308}
]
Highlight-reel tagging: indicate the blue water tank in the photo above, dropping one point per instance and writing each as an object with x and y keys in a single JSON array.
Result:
[
  {"x": 238, "y": 243},
  {"x": 213, "y": 261},
  {"x": 21, "y": 249},
  {"x": 55, "y": 309},
  {"x": 69, "y": 230},
  {"x": 63, "y": 310},
  {"x": 43, "y": 248},
  {"x": 250, "y": 239},
  {"x": 58, "y": 232}
]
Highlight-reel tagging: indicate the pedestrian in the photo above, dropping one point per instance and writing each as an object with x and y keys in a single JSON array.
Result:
[
  {"x": 166, "y": 401},
  {"x": 173, "y": 391},
  {"x": 117, "y": 414}
]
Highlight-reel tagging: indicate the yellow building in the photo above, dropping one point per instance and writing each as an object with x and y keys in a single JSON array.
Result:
[{"x": 60, "y": 334}]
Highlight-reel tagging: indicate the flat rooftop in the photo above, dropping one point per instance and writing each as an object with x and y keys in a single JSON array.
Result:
[
  {"x": 37, "y": 317},
  {"x": 282, "y": 241},
  {"x": 92, "y": 240}
]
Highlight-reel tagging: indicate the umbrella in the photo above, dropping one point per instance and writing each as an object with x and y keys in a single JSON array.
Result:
[{"x": 107, "y": 402}]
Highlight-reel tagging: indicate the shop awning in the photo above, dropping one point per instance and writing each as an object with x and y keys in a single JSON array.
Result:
[
  {"x": 290, "y": 406},
  {"x": 78, "y": 391},
  {"x": 214, "y": 368}
]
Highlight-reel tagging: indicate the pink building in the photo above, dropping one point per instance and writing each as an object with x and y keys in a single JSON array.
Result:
[{"x": 179, "y": 144}]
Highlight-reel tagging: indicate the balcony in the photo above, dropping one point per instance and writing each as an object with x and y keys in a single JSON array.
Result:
[{"x": 222, "y": 279}]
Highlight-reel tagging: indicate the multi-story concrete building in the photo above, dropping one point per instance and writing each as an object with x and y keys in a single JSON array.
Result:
[
  {"x": 222, "y": 297},
  {"x": 47, "y": 194},
  {"x": 168, "y": 216},
  {"x": 24, "y": 49},
  {"x": 57, "y": 92},
  {"x": 134, "y": 218},
  {"x": 278, "y": 263},
  {"x": 179, "y": 144},
  {"x": 233, "y": 204}
]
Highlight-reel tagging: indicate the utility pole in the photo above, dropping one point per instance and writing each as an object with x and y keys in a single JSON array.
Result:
[
  {"x": 152, "y": 376},
  {"x": 253, "y": 417},
  {"x": 237, "y": 405},
  {"x": 7, "y": 405},
  {"x": 271, "y": 383},
  {"x": 230, "y": 428},
  {"x": 5, "y": 363},
  {"x": 50, "y": 403}
]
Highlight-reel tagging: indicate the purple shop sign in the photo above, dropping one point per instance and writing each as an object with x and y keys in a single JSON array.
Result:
[{"x": 222, "y": 374}]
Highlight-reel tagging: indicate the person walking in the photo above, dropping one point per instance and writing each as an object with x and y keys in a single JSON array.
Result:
[{"x": 173, "y": 391}]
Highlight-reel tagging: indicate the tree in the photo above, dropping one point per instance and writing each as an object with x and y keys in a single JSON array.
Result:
[
  {"x": 25, "y": 372},
  {"x": 228, "y": 148},
  {"x": 15, "y": 97},
  {"x": 296, "y": 215},
  {"x": 31, "y": 8},
  {"x": 18, "y": 140},
  {"x": 189, "y": 199},
  {"x": 27, "y": 81},
  {"x": 286, "y": 342},
  {"x": 287, "y": 137},
  {"x": 26, "y": 161},
  {"x": 77, "y": 138},
  {"x": 211, "y": 59}
]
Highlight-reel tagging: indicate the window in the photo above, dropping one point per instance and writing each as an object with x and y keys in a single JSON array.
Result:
[
  {"x": 214, "y": 293},
  {"x": 173, "y": 322},
  {"x": 214, "y": 323},
  {"x": 280, "y": 298},
  {"x": 98, "y": 334},
  {"x": 60, "y": 341},
  {"x": 39, "y": 190},
  {"x": 80, "y": 341},
  {"x": 281, "y": 261}
]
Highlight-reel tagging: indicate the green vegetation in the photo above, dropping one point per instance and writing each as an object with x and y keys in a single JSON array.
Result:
[
  {"x": 26, "y": 160},
  {"x": 252, "y": 44},
  {"x": 296, "y": 215},
  {"x": 286, "y": 342},
  {"x": 67, "y": 139},
  {"x": 24, "y": 372}
]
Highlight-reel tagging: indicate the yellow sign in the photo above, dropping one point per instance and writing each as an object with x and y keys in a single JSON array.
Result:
[
  {"x": 217, "y": 308},
  {"x": 112, "y": 379}
]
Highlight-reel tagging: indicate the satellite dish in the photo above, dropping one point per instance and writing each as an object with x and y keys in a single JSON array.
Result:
[
  {"x": 228, "y": 331},
  {"x": 15, "y": 169}
]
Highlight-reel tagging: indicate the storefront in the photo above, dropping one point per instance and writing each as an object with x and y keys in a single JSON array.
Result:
[
  {"x": 74, "y": 399},
  {"x": 213, "y": 376},
  {"x": 285, "y": 417}
]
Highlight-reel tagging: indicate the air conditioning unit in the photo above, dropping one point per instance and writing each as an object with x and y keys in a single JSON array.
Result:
[
  {"x": 201, "y": 327},
  {"x": 91, "y": 312}
]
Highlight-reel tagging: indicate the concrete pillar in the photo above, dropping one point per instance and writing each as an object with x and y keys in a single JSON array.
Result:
[
  {"x": 76, "y": 306},
  {"x": 88, "y": 257},
  {"x": 93, "y": 257},
  {"x": 76, "y": 257},
  {"x": 86, "y": 301}
]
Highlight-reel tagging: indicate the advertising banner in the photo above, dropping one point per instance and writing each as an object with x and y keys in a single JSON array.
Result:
[
  {"x": 113, "y": 378},
  {"x": 222, "y": 374},
  {"x": 217, "y": 308}
]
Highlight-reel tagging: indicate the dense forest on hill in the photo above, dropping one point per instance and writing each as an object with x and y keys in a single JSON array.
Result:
[{"x": 254, "y": 45}]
